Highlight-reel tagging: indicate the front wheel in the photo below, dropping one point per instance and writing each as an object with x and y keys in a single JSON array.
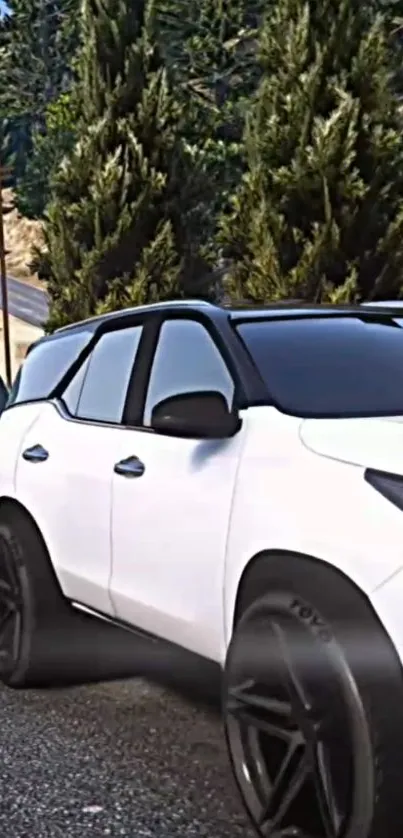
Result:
[{"x": 313, "y": 711}]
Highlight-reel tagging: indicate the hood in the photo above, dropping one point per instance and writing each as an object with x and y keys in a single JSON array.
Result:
[{"x": 369, "y": 443}]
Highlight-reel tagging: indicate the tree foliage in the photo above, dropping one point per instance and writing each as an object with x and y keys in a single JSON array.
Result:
[
  {"x": 186, "y": 133},
  {"x": 50, "y": 144},
  {"x": 319, "y": 213},
  {"x": 124, "y": 224},
  {"x": 38, "y": 41},
  {"x": 210, "y": 46},
  {"x": 37, "y": 44}
]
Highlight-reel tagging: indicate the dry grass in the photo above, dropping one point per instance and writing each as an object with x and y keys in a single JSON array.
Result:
[{"x": 20, "y": 234}]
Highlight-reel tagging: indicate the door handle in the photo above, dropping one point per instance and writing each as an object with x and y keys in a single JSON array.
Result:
[
  {"x": 36, "y": 454},
  {"x": 131, "y": 467}
]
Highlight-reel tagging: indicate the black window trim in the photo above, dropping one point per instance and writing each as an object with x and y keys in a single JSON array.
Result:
[
  {"x": 122, "y": 324},
  {"x": 249, "y": 387},
  {"x": 55, "y": 397},
  {"x": 240, "y": 397},
  {"x": 152, "y": 322}
]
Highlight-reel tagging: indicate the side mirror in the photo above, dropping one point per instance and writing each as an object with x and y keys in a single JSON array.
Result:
[{"x": 203, "y": 415}]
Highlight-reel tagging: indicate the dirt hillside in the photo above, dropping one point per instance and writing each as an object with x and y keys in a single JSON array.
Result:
[{"x": 20, "y": 235}]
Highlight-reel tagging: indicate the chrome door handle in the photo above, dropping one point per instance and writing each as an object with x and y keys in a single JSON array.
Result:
[
  {"x": 36, "y": 454},
  {"x": 130, "y": 467}
]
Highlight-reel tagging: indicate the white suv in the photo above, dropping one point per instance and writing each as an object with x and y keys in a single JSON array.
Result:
[{"x": 230, "y": 482}]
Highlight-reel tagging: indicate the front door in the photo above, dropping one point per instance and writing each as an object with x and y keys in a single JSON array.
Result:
[
  {"x": 65, "y": 468},
  {"x": 170, "y": 523}
]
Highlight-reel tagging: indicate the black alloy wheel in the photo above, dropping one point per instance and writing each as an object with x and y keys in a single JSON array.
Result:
[
  {"x": 44, "y": 641},
  {"x": 11, "y": 610},
  {"x": 295, "y": 725}
]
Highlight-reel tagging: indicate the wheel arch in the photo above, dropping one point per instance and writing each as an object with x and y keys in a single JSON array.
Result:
[
  {"x": 12, "y": 505},
  {"x": 253, "y": 578}
]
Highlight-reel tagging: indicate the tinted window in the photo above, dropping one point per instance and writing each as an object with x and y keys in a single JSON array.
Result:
[
  {"x": 72, "y": 393},
  {"x": 106, "y": 381},
  {"x": 186, "y": 360},
  {"x": 45, "y": 366},
  {"x": 331, "y": 367}
]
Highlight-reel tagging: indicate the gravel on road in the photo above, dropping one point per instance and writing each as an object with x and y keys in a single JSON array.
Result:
[{"x": 115, "y": 759}]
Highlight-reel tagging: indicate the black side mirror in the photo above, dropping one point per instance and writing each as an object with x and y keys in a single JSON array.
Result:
[{"x": 203, "y": 415}]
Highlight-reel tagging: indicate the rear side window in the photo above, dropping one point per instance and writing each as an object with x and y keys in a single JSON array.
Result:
[
  {"x": 330, "y": 367},
  {"x": 45, "y": 366}
]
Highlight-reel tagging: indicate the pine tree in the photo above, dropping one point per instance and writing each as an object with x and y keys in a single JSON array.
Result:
[
  {"x": 49, "y": 146},
  {"x": 319, "y": 212},
  {"x": 211, "y": 47},
  {"x": 37, "y": 41},
  {"x": 123, "y": 226}
]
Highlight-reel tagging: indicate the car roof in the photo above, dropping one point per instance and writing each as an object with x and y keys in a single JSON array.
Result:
[
  {"x": 94, "y": 322},
  {"x": 242, "y": 312},
  {"x": 234, "y": 312},
  {"x": 384, "y": 304}
]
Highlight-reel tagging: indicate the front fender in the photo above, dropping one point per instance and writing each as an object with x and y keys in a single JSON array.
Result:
[{"x": 292, "y": 500}]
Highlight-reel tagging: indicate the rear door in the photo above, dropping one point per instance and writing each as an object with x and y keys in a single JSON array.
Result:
[{"x": 65, "y": 468}]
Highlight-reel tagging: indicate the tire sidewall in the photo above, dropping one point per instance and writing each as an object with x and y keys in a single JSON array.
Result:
[
  {"x": 283, "y": 601},
  {"x": 17, "y": 672}
]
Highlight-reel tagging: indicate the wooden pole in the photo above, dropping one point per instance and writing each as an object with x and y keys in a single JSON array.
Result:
[{"x": 4, "y": 289}]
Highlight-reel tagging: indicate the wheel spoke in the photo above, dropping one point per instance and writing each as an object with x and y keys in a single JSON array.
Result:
[
  {"x": 293, "y": 773},
  {"x": 9, "y": 574},
  {"x": 299, "y": 700},
  {"x": 10, "y": 609},
  {"x": 283, "y": 730},
  {"x": 7, "y": 592},
  {"x": 260, "y": 712},
  {"x": 8, "y": 613},
  {"x": 16, "y": 634},
  {"x": 324, "y": 793}
]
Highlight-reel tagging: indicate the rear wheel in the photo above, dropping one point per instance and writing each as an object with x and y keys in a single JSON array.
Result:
[
  {"x": 313, "y": 708},
  {"x": 43, "y": 640}
]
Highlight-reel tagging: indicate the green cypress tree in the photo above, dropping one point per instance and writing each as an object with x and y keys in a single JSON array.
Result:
[
  {"x": 319, "y": 212},
  {"x": 211, "y": 47},
  {"x": 37, "y": 41},
  {"x": 49, "y": 146},
  {"x": 123, "y": 225}
]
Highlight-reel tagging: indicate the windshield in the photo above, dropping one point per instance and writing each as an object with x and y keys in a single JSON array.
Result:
[{"x": 330, "y": 367}]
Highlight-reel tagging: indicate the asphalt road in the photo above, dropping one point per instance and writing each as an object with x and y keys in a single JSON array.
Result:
[
  {"x": 116, "y": 759},
  {"x": 26, "y": 302}
]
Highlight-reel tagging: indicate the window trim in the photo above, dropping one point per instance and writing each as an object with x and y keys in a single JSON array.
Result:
[
  {"x": 58, "y": 405},
  {"x": 123, "y": 325},
  {"x": 240, "y": 400},
  {"x": 152, "y": 322},
  {"x": 220, "y": 330},
  {"x": 61, "y": 397},
  {"x": 103, "y": 328}
]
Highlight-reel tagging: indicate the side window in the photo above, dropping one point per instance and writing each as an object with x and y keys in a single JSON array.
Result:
[
  {"x": 186, "y": 360},
  {"x": 72, "y": 392},
  {"x": 45, "y": 365},
  {"x": 101, "y": 387}
]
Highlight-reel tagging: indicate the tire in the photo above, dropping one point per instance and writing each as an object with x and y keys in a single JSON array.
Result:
[
  {"x": 313, "y": 707},
  {"x": 44, "y": 642}
]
